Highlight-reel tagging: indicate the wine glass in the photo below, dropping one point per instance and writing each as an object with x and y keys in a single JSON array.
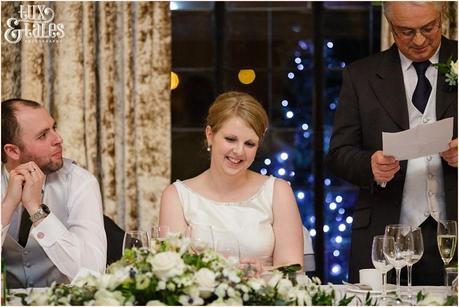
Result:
[
  {"x": 400, "y": 251},
  {"x": 160, "y": 233},
  {"x": 135, "y": 239},
  {"x": 380, "y": 261},
  {"x": 416, "y": 255},
  {"x": 446, "y": 241},
  {"x": 201, "y": 237},
  {"x": 228, "y": 247}
]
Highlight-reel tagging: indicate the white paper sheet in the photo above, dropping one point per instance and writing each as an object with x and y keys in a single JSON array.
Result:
[{"x": 420, "y": 141}]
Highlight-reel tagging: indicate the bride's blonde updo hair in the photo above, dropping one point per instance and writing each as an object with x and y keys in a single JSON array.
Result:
[{"x": 238, "y": 104}]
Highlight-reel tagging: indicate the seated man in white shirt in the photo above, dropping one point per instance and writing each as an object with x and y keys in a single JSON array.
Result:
[{"x": 52, "y": 219}]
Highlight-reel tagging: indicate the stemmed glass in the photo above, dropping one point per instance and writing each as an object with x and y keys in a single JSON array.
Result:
[
  {"x": 416, "y": 255},
  {"x": 446, "y": 241},
  {"x": 228, "y": 248},
  {"x": 380, "y": 261},
  {"x": 399, "y": 250},
  {"x": 160, "y": 233},
  {"x": 135, "y": 238},
  {"x": 201, "y": 237}
]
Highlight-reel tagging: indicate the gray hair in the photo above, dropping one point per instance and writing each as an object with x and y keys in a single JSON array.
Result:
[{"x": 439, "y": 6}]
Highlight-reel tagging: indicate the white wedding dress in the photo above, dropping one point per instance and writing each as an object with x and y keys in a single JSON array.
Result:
[{"x": 249, "y": 221}]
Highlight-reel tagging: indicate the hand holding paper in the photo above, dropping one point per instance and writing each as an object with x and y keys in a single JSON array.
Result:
[
  {"x": 383, "y": 167},
  {"x": 420, "y": 141},
  {"x": 450, "y": 155}
]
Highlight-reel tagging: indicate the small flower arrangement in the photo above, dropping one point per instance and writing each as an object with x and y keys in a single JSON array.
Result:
[
  {"x": 449, "y": 69},
  {"x": 423, "y": 299},
  {"x": 172, "y": 274}
]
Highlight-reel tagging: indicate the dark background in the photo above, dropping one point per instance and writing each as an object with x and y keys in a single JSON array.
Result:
[{"x": 212, "y": 41}]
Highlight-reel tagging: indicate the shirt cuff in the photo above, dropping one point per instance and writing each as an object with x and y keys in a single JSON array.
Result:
[
  {"x": 381, "y": 184},
  {"x": 48, "y": 231}
]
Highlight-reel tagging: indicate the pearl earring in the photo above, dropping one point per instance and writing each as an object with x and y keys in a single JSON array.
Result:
[{"x": 208, "y": 148}]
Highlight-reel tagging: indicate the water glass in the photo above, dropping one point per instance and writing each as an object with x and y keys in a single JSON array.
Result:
[
  {"x": 160, "y": 233},
  {"x": 416, "y": 255},
  {"x": 380, "y": 261},
  {"x": 201, "y": 237},
  {"x": 398, "y": 251},
  {"x": 135, "y": 239},
  {"x": 228, "y": 248}
]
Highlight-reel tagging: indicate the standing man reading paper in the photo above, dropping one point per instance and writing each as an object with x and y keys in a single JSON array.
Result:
[
  {"x": 52, "y": 222},
  {"x": 392, "y": 91}
]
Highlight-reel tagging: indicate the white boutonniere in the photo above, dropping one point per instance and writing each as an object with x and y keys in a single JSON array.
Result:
[{"x": 449, "y": 69}]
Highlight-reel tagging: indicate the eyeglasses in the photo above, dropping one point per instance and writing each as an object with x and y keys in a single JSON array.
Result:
[{"x": 408, "y": 34}]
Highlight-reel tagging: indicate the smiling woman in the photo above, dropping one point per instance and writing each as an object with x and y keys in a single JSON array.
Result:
[{"x": 258, "y": 212}]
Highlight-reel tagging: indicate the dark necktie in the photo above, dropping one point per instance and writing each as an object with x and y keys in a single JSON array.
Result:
[
  {"x": 26, "y": 223},
  {"x": 423, "y": 88},
  {"x": 24, "y": 228}
]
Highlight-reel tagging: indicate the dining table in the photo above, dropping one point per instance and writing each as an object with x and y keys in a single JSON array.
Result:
[{"x": 439, "y": 292}]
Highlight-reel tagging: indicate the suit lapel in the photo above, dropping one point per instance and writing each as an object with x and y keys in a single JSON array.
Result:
[
  {"x": 445, "y": 94},
  {"x": 389, "y": 88}
]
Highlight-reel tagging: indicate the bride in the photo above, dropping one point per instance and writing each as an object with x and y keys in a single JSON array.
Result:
[{"x": 259, "y": 211}]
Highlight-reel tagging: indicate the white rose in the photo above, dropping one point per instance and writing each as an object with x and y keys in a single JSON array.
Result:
[
  {"x": 229, "y": 302},
  {"x": 454, "y": 67},
  {"x": 284, "y": 286},
  {"x": 113, "y": 280},
  {"x": 303, "y": 280},
  {"x": 186, "y": 300},
  {"x": 167, "y": 264},
  {"x": 85, "y": 278},
  {"x": 171, "y": 286},
  {"x": 232, "y": 276},
  {"x": 205, "y": 279},
  {"x": 218, "y": 302},
  {"x": 276, "y": 276},
  {"x": 256, "y": 283},
  {"x": 161, "y": 285},
  {"x": 231, "y": 292},
  {"x": 300, "y": 297},
  {"x": 108, "y": 298},
  {"x": 38, "y": 298},
  {"x": 431, "y": 300},
  {"x": 155, "y": 303},
  {"x": 220, "y": 291},
  {"x": 233, "y": 301}
]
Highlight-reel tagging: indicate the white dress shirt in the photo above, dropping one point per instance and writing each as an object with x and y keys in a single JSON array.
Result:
[
  {"x": 72, "y": 235},
  {"x": 423, "y": 192}
]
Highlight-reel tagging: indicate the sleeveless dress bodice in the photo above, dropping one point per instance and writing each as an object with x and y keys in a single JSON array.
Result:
[{"x": 249, "y": 221}]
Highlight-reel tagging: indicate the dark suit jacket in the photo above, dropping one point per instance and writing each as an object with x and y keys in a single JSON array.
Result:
[{"x": 373, "y": 100}]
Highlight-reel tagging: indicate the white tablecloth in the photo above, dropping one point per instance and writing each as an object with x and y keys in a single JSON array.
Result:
[{"x": 439, "y": 291}]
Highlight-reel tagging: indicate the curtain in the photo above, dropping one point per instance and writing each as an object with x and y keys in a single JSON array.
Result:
[
  {"x": 107, "y": 84},
  {"x": 449, "y": 25}
]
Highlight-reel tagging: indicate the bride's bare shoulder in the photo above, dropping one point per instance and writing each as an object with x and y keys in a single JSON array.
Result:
[{"x": 195, "y": 182}]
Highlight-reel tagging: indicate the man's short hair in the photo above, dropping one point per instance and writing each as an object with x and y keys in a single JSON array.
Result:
[
  {"x": 439, "y": 6},
  {"x": 10, "y": 125}
]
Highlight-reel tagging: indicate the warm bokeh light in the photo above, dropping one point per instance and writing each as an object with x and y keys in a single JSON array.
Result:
[
  {"x": 174, "y": 80},
  {"x": 246, "y": 76}
]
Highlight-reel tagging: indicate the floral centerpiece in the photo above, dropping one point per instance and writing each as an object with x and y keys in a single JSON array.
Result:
[{"x": 172, "y": 274}]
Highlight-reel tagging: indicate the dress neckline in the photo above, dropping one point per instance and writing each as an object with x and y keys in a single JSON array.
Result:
[{"x": 228, "y": 203}]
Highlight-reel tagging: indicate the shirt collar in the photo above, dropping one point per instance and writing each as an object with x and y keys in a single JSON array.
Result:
[
  {"x": 5, "y": 171},
  {"x": 407, "y": 63}
]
